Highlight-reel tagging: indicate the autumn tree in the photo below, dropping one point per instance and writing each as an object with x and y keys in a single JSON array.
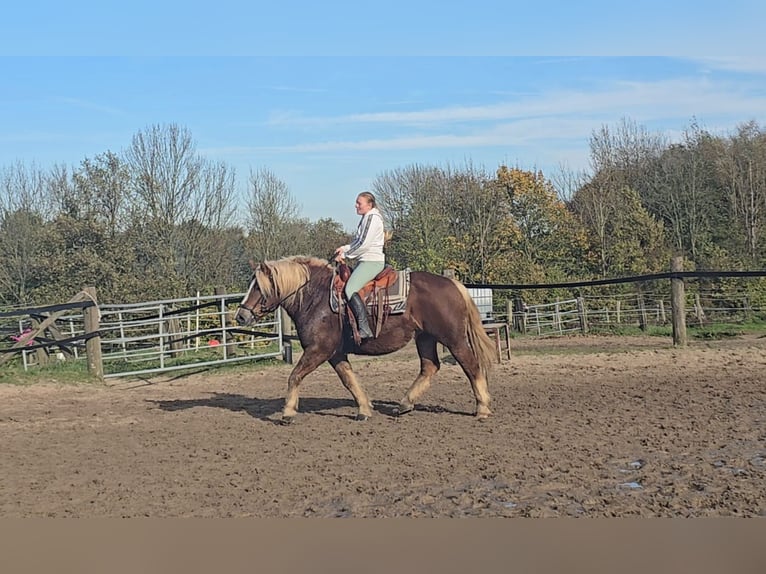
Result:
[{"x": 548, "y": 243}]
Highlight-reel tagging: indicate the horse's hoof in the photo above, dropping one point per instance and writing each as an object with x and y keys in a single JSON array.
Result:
[
  {"x": 482, "y": 418},
  {"x": 403, "y": 410},
  {"x": 287, "y": 420},
  {"x": 361, "y": 417}
]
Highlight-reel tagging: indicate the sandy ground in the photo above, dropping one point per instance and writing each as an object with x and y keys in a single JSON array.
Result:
[{"x": 583, "y": 426}]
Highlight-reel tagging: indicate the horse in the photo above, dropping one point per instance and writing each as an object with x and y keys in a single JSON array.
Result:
[{"x": 438, "y": 310}]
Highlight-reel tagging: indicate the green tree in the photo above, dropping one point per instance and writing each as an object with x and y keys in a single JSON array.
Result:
[
  {"x": 742, "y": 173},
  {"x": 24, "y": 204},
  {"x": 414, "y": 201}
]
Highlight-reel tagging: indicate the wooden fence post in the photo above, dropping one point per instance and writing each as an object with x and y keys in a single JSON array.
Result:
[
  {"x": 286, "y": 322},
  {"x": 678, "y": 303},
  {"x": 641, "y": 311},
  {"x": 582, "y": 311},
  {"x": 42, "y": 353},
  {"x": 92, "y": 324},
  {"x": 698, "y": 310},
  {"x": 519, "y": 315}
]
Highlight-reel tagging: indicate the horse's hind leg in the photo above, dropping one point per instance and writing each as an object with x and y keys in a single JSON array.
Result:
[
  {"x": 348, "y": 378},
  {"x": 470, "y": 365},
  {"x": 429, "y": 366}
]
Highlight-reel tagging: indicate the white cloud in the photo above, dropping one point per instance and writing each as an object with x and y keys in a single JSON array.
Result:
[
  {"x": 753, "y": 65},
  {"x": 682, "y": 97},
  {"x": 562, "y": 115}
]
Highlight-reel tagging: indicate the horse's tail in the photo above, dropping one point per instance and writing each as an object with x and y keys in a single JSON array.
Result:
[{"x": 482, "y": 346}]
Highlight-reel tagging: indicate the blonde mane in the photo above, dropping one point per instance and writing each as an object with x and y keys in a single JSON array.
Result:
[{"x": 287, "y": 276}]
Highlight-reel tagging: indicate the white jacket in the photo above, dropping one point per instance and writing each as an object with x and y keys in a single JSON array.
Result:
[{"x": 367, "y": 244}]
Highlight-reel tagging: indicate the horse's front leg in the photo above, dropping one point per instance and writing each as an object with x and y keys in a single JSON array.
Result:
[
  {"x": 308, "y": 362},
  {"x": 348, "y": 378}
]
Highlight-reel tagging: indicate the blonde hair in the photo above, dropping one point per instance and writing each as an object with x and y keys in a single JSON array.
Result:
[{"x": 284, "y": 277}]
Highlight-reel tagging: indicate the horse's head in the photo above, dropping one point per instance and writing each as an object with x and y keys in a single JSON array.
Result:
[{"x": 261, "y": 297}]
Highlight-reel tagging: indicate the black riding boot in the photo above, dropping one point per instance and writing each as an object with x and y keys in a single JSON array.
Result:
[{"x": 360, "y": 312}]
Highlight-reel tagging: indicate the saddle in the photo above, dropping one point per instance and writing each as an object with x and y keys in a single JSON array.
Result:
[{"x": 385, "y": 295}]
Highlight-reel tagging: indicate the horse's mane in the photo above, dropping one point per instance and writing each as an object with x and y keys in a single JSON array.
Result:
[{"x": 287, "y": 275}]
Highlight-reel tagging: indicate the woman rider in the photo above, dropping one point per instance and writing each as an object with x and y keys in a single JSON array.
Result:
[{"x": 367, "y": 248}]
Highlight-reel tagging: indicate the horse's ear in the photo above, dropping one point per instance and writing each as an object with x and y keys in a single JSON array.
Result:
[
  {"x": 253, "y": 265},
  {"x": 265, "y": 269}
]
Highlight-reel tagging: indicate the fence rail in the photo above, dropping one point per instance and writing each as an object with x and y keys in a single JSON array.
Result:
[
  {"x": 178, "y": 334},
  {"x": 151, "y": 337},
  {"x": 592, "y": 312}
]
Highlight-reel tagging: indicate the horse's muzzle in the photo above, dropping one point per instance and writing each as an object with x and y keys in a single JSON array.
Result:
[{"x": 244, "y": 317}]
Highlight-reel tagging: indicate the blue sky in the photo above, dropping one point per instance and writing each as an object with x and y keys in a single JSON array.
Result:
[{"x": 329, "y": 95}]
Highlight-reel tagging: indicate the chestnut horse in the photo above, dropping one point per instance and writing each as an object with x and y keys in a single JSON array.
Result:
[{"x": 438, "y": 310}]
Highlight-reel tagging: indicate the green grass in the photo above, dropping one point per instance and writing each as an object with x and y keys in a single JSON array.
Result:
[
  {"x": 704, "y": 332},
  {"x": 76, "y": 372},
  {"x": 188, "y": 358},
  {"x": 632, "y": 331},
  {"x": 67, "y": 372}
]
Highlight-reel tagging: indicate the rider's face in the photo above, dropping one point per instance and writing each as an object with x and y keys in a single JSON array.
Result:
[{"x": 363, "y": 205}]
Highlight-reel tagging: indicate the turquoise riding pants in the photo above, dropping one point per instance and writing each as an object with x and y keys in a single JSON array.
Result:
[{"x": 363, "y": 272}]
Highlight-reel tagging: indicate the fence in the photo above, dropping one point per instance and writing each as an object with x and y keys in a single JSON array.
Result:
[
  {"x": 142, "y": 338},
  {"x": 669, "y": 305},
  {"x": 181, "y": 333},
  {"x": 637, "y": 309},
  {"x": 125, "y": 340}
]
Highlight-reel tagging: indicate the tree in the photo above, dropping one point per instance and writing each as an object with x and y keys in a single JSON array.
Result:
[
  {"x": 547, "y": 241},
  {"x": 479, "y": 219},
  {"x": 271, "y": 214},
  {"x": 623, "y": 154},
  {"x": 179, "y": 198},
  {"x": 23, "y": 206},
  {"x": 681, "y": 192},
  {"x": 323, "y": 237},
  {"x": 415, "y": 202},
  {"x": 102, "y": 185},
  {"x": 742, "y": 169}
]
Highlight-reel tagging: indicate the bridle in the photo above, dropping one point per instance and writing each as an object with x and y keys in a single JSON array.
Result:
[
  {"x": 262, "y": 305},
  {"x": 262, "y": 308}
]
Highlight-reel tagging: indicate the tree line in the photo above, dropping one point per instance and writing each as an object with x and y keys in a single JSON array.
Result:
[
  {"x": 642, "y": 200},
  {"x": 158, "y": 220}
]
